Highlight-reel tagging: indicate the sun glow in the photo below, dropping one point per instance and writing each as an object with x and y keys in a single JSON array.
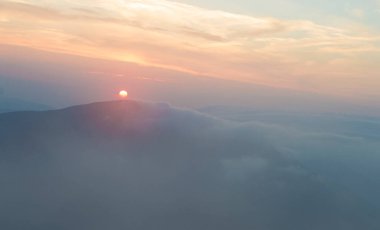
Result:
[{"x": 123, "y": 94}]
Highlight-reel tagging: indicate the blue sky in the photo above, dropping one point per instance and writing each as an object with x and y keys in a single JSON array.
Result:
[{"x": 323, "y": 11}]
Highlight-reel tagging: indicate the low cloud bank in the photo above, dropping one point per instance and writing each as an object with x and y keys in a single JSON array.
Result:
[{"x": 137, "y": 165}]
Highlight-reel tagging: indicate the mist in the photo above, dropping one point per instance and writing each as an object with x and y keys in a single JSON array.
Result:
[{"x": 140, "y": 165}]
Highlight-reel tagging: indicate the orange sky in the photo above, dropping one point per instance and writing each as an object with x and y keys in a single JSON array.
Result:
[{"x": 296, "y": 54}]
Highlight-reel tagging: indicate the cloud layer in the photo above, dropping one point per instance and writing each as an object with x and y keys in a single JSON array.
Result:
[{"x": 137, "y": 165}]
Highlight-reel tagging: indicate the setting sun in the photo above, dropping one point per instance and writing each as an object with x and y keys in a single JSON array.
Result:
[{"x": 123, "y": 94}]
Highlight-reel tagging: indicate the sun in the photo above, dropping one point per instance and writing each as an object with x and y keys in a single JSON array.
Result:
[{"x": 123, "y": 94}]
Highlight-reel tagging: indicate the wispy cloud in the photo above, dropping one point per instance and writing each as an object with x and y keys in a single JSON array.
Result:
[{"x": 199, "y": 41}]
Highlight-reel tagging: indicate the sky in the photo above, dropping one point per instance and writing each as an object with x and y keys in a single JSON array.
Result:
[
  {"x": 315, "y": 49},
  {"x": 240, "y": 114}
]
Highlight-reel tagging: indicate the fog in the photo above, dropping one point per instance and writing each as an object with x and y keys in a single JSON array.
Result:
[{"x": 140, "y": 165}]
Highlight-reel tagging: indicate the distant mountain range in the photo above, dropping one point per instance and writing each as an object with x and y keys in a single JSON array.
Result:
[
  {"x": 9, "y": 104},
  {"x": 350, "y": 125}
]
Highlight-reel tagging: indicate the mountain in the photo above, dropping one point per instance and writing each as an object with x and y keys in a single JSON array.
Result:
[
  {"x": 9, "y": 104},
  {"x": 139, "y": 165}
]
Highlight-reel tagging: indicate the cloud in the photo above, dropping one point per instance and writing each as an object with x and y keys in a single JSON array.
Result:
[
  {"x": 181, "y": 37},
  {"x": 141, "y": 166}
]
